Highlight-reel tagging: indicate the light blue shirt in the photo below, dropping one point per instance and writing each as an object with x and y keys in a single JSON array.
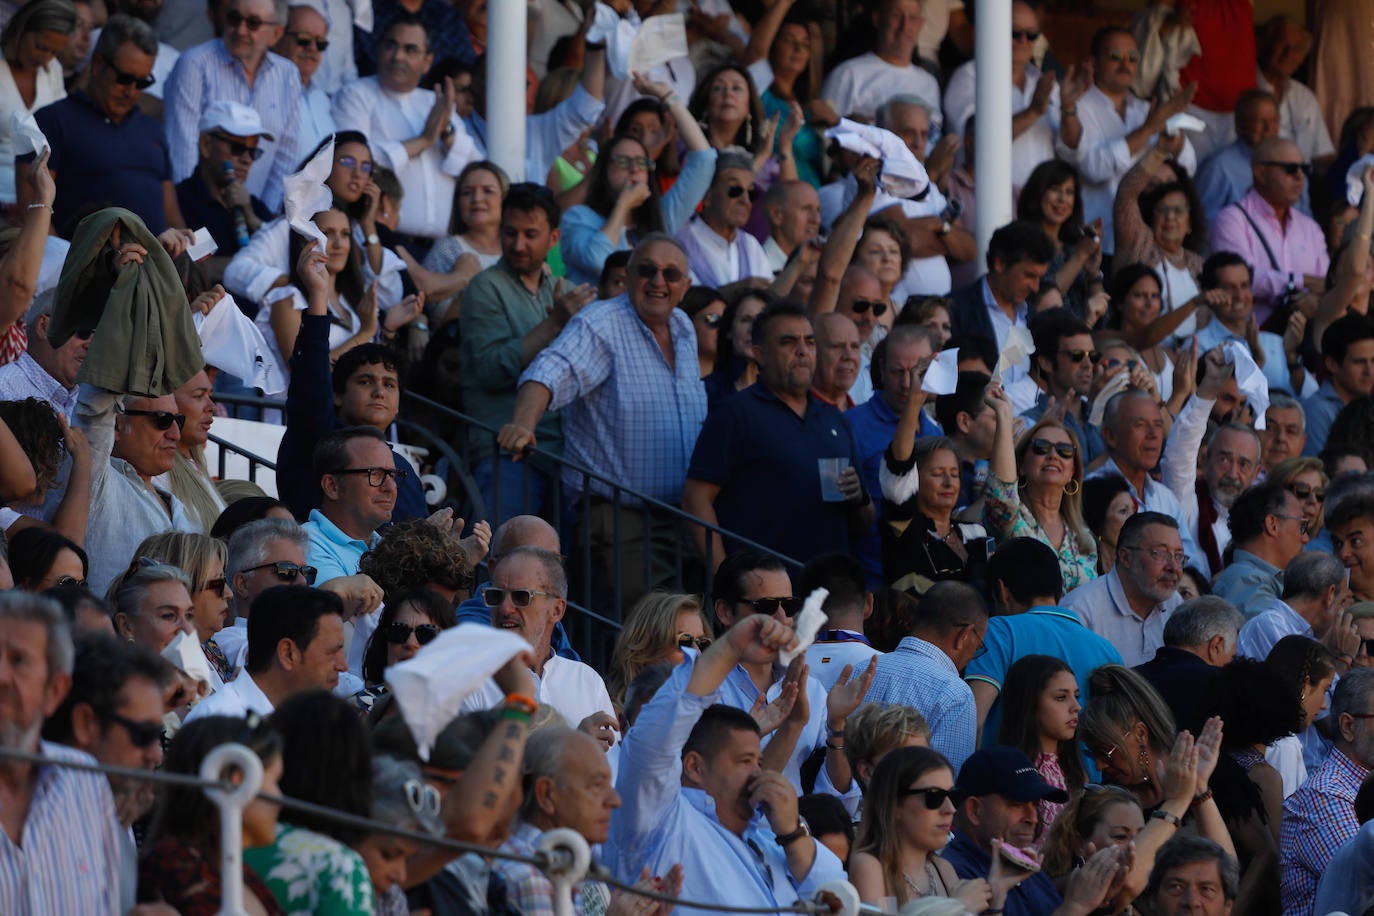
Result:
[
  {"x": 739, "y": 691},
  {"x": 1157, "y": 498},
  {"x": 1249, "y": 583},
  {"x": 1103, "y": 607},
  {"x": 1320, "y": 411},
  {"x": 1262, "y": 631},
  {"x": 660, "y": 823},
  {"x": 1275, "y": 367},
  {"x": 547, "y": 134},
  {"x": 920, "y": 675},
  {"x": 332, "y": 552}
]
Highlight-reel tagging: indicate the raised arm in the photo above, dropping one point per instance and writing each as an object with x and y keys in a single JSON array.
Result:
[
  {"x": 1135, "y": 240},
  {"x": 20, "y": 267},
  {"x": 1350, "y": 270},
  {"x": 844, "y": 238}
]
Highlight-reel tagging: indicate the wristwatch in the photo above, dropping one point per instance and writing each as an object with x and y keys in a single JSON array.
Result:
[
  {"x": 945, "y": 227},
  {"x": 374, "y": 239},
  {"x": 803, "y": 829}
]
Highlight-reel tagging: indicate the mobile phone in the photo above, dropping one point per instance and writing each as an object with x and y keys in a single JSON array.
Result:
[{"x": 1015, "y": 857}]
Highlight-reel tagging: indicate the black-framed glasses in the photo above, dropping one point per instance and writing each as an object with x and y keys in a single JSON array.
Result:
[
  {"x": 1291, "y": 169},
  {"x": 375, "y": 476},
  {"x": 305, "y": 40},
  {"x": 738, "y": 190},
  {"x": 1043, "y": 447},
  {"x": 493, "y": 596},
  {"x": 1307, "y": 491},
  {"x": 234, "y": 19},
  {"x": 1302, "y": 522},
  {"x": 647, "y": 271},
  {"x": 215, "y": 586},
  {"x": 934, "y": 797},
  {"x": 1025, "y": 34},
  {"x": 688, "y": 641},
  {"x": 70, "y": 580},
  {"x": 162, "y": 419},
  {"x": 130, "y": 79},
  {"x": 770, "y": 605},
  {"x": 238, "y": 149},
  {"x": 630, "y": 162},
  {"x": 287, "y": 571},
  {"x": 351, "y": 163},
  {"x": 1160, "y": 554},
  {"x": 859, "y": 306},
  {"x": 1078, "y": 356},
  {"x": 141, "y": 734},
  {"x": 398, "y": 633}
]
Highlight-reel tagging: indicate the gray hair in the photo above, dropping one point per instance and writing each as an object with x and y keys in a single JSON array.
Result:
[
  {"x": 1310, "y": 574},
  {"x": 1198, "y": 620},
  {"x": 128, "y": 589},
  {"x": 1344, "y": 486},
  {"x": 1352, "y": 693},
  {"x": 1285, "y": 402},
  {"x": 1237, "y": 428},
  {"x": 555, "y": 579},
  {"x": 733, "y": 157},
  {"x": 543, "y": 757},
  {"x": 1112, "y": 415},
  {"x": 883, "y": 116},
  {"x": 1189, "y": 850},
  {"x": 654, "y": 238},
  {"x": 121, "y": 30},
  {"x": 248, "y": 545},
  {"x": 400, "y": 798},
  {"x": 23, "y": 606},
  {"x": 41, "y": 305}
]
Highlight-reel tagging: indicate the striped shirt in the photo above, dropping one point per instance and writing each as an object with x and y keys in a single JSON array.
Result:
[
  {"x": 208, "y": 73},
  {"x": 68, "y": 856}
]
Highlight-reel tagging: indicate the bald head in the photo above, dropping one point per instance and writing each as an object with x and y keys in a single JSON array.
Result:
[
  {"x": 859, "y": 285},
  {"x": 523, "y": 531},
  {"x": 1277, "y": 165}
]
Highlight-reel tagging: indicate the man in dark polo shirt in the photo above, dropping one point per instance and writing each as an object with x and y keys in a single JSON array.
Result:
[
  {"x": 215, "y": 196},
  {"x": 105, "y": 151},
  {"x": 757, "y": 466}
]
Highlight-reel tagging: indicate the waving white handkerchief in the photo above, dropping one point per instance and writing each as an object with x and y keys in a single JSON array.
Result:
[
  {"x": 307, "y": 194},
  {"x": 185, "y": 652},
  {"x": 942, "y": 375},
  {"x": 1016, "y": 353},
  {"x": 903, "y": 176},
  {"x": 1249, "y": 379},
  {"x": 28, "y": 137},
  {"x": 231, "y": 341},
  {"x": 809, "y": 623},
  {"x": 660, "y": 39}
]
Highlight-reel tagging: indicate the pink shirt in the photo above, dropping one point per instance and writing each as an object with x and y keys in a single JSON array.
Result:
[{"x": 1299, "y": 248}]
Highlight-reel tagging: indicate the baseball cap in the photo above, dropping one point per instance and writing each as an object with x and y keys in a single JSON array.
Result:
[
  {"x": 1008, "y": 772},
  {"x": 234, "y": 119}
]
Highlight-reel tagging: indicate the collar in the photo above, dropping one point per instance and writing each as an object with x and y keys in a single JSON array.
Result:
[
  {"x": 1257, "y": 205},
  {"x": 841, "y": 405},
  {"x": 51, "y": 388},
  {"x": 249, "y": 691},
  {"x": 1054, "y": 610},
  {"x": 1120, "y": 603},
  {"x": 1294, "y": 618},
  {"x": 222, "y": 52},
  {"x": 919, "y": 646},
  {"x": 991, "y": 302},
  {"x": 1174, "y": 657},
  {"x": 764, "y": 393},
  {"x": 841, "y": 635},
  {"x": 1340, "y": 760},
  {"x": 335, "y": 535},
  {"x": 545, "y": 277},
  {"x": 1245, "y": 556}
]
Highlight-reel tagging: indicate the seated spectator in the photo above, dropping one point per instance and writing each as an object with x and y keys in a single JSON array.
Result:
[
  {"x": 794, "y": 218},
  {"x": 720, "y": 254},
  {"x": 473, "y": 242},
  {"x": 261, "y": 553},
  {"x": 857, "y": 87},
  {"x": 1226, "y": 174},
  {"x": 152, "y": 603},
  {"x": 43, "y": 371},
  {"x": 201, "y": 558},
  {"x": 1235, "y": 319},
  {"x": 1336, "y": 892},
  {"x": 884, "y": 250},
  {"x": 215, "y": 195},
  {"x": 1312, "y": 605},
  {"x": 726, "y": 103},
  {"x": 32, "y": 43},
  {"x": 1133, "y": 321},
  {"x": 1352, "y": 541},
  {"x": 1199, "y": 639},
  {"x": 1106, "y": 817},
  {"x": 303, "y": 42},
  {"x": 657, "y": 630},
  {"x": 49, "y": 447},
  {"x": 1193, "y": 875},
  {"x": 790, "y": 59},
  {"x": 190, "y": 480},
  {"x": 1309, "y": 669},
  {"x": 181, "y": 864},
  {"x": 400, "y": 799},
  {"x": 40, "y": 559},
  {"x": 421, "y": 554},
  {"x": 841, "y": 642},
  {"x": 409, "y": 621},
  {"x": 1267, "y": 531},
  {"x": 1065, "y": 367},
  {"x": 1348, "y": 354},
  {"x": 705, "y": 307},
  {"x": 1107, "y": 503},
  {"x": 971, "y": 424},
  {"x": 735, "y": 368},
  {"x": 1040, "y": 719},
  {"x": 1051, "y": 197},
  {"x": 874, "y": 731},
  {"x": 452, "y": 43}
]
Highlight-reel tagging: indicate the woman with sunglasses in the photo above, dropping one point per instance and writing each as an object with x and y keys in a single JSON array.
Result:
[
  {"x": 41, "y": 558},
  {"x": 1033, "y": 490},
  {"x": 36, "y": 33},
  {"x": 1053, "y": 199},
  {"x": 408, "y": 623},
  {"x": 885, "y": 251},
  {"x": 1040, "y": 709},
  {"x": 180, "y": 864},
  {"x": 623, "y": 203},
  {"x": 908, "y": 812},
  {"x": 735, "y": 368},
  {"x": 1305, "y": 478},
  {"x": 705, "y": 307},
  {"x": 657, "y": 629},
  {"x": 202, "y": 558}
]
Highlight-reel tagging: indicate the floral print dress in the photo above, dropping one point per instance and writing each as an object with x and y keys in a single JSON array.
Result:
[
  {"x": 1006, "y": 517},
  {"x": 310, "y": 873}
]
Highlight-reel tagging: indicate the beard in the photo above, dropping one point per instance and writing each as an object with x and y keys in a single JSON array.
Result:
[{"x": 15, "y": 737}]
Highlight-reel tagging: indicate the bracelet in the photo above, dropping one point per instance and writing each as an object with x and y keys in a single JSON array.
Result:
[
  {"x": 835, "y": 747},
  {"x": 833, "y": 732},
  {"x": 522, "y": 703},
  {"x": 670, "y": 99},
  {"x": 1202, "y": 799},
  {"x": 49, "y": 208},
  {"x": 518, "y": 715},
  {"x": 1161, "y": 815},
  {"x": 1069, "y": 112}
]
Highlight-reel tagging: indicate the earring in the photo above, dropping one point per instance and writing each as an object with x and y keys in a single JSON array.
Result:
[
  {"x": 1143, "y": 759},
  {"x": 748, "y": 131},
  {"x": 1020, "y": 483},
  {"x": 1076, "y": 487}
]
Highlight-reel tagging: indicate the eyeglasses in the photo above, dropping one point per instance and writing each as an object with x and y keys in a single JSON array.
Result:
[
  {"x": 1302, "y": 522},
  {"x": 769, "y": 606},
  {"x": 1130, "y": 364},
  {"x": 130, "y": 79},
  {"x": 1117, "y": 57},
  {"x": 375, "y": 476},
  {"x": 305, "y": 40},
  {"x": 423, "y": 799},
  {"x": 162, "y": 419},
  {"x": 859, "y": 306},
  {"x": 351, "y": 163},
  {"x": 711, "y": 319},
  {"x": 1078, "y": 356},
  {"x": 520, "y": 597},
  {"x": 632, "y": 162},
  {"x": 215, "y": 586},
  {"x": 934, "y": 798},
  {"x": 70, "y": 580},
  {"x": 287, "y": 571},
  {"x": 1291, "y": 169},
  {"x": 1025, "y": 34},
  {"x": 1160, "y": 554},
  {"x": 1307, "y": 491},
  {"x": 238, "y": 149},
  {"x": 398, "y": 633},
  {"x": 1042, "y": 447},
  {"x": 84, "y": 334},
  {"x": 141, "y": 734},
  {"x": 687, "y": 640},
  {"x": 647, "y": 271},
  {"x": 1097, "y": 753},
  {"x": 737, "y": 190},
  {"x": 234, "y": 19}
]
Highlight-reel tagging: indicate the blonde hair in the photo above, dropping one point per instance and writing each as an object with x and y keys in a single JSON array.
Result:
[
  {"x": 1287, "y": 470},
  {"x": 191, "y": 552},
  {"x": 1076, "y": 823},
  {"x": 189, "y": 479},
  {"x": 650, "y": 630},
  {"x": 873, "y": 730},
  {"x": 1071, "y": 506}
]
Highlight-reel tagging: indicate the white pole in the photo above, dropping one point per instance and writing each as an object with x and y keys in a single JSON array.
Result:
[
  {"x": 992, "y": 139},
  {"x": 506, "y": 23},
  {"x": 217, "y": 766}
]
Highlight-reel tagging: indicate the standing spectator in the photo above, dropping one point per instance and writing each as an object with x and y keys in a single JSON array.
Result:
[
  {"x": 1052, "y": 196},
  {"x": 304, "y": 42},
  {"x": 1225, "y": 176},
  {"x": 451, "y": 42},
  {"x": 857, "y": 87},
  {"x": 1065, "y": 366},
  {"x": 1019, "y": 255},
  {"x": 1283, "y": 46},
  {"x": 1267, "y": 531},
  {"x": 842, "y": 641},
  {"x": 1285, "y": 431},
  {"x": 1348, "y": 354},
  {"x": 29, "y": 45}
]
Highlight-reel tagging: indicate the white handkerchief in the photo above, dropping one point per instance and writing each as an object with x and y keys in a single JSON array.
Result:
[
  {"x": 1354, "y": 179},
  {"x": 28, "y": 138},
  {"x": 660, "y": 39},
  {"x": 942, "y": 375},
  {"x": 230, "y": 340},
  {"x": 903, "y": 176},
  {"x": 1117, "y": 383},
  {"x": 362, "y": 14},
  {"x": 431, "y": 687},
  {"x": 1249, "y": 379},
  {"x": 184, "y": 652},
  {"x": 809, "y": 623},
  {"x": 1016, "y": 353},
  {"x": 307, "y": 194},
  {"x": 618, "y": 35},
  {"x": 203, "y": 246},
  {"x": 1184, "y": 121}
]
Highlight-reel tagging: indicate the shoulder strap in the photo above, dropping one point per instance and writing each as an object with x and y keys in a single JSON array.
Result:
[{"x": 1273, "y": 261}]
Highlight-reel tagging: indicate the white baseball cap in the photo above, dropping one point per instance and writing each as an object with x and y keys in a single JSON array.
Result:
[{"x": 234, "y": 119}]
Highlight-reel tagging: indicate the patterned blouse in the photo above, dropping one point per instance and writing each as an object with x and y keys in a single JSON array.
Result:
[
  {"x": 1006, "y": 517},
  {"x": 310, "y": 873},
  {"x": 177, "y": 874},
  {"x": 1048, "y": 765}
]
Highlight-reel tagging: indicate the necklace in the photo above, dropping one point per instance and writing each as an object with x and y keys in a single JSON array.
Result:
[{"x": 932, "y": 878}]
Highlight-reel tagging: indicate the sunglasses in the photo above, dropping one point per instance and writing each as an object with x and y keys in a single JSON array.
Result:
[
  {"x": 769, "y": 606},
  {"x": 141, "y": 734},
  {"x": 287, "y": 571},
  {"x": 162, "y": 419},
  {"x": 351, "y": 163},
  {"x": 1077, "y": 356},
  {"x": 520, "y": 597},
  {"x": 738, "y": 190},
  {"x": 304, "y": 40},
  {"x": 1291, "y": 169},
  {"x": 70, "y": 580},
  {"x": 84, "y": 334},
  {"x": 234, "y": 19},
  {"x": 215, "y": 586},
  {"x": 649, "y": 271},
  {"x": 934, "y": 798},
  {"x": 398, "y": 633},
  {"x": 1130, "y": 364},
  {"x": 1307, "y": 491},
  {"x": 1025, "y": 34},
  {"x": 631, "y": 162},
  {"x": 687, "y": 641},
  {"x": 1042, "y": 447},
  {"x": 239, "y": 150},
  {"x": 859, "y": 306},
  {"x": 130, "y": 79},
  {"x": 1117, "y": 57}
]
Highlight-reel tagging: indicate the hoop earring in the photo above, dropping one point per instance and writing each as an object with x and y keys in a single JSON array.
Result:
[
  {"x": 1020, "y": 483},
  {"x": 1076, "y": 487}
]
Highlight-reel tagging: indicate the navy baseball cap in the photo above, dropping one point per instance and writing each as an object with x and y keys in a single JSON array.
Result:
[{"x": 1008, "y": 772}]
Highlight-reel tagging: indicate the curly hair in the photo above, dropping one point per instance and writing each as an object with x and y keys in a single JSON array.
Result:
[
  {"x": 39, "y": 433},
  {"x": 1076, "y": 823},
  {"x": 413, "y": 553}
]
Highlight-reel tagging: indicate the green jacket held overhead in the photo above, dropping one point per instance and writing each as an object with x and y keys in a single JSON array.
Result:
[{"x": 145, "y": 341}]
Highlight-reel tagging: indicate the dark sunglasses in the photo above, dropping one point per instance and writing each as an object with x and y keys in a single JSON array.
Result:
[
  {"x": 769, "y": 606},
  {"x": 1117, "y": 57},
  {"x": 129, "y": 79},
  {"x": 70, "y": 580},
  {"x": 1307, "y": 491},
  {"x": 736, "y": 190},
  {"x": 859, "y": 306},
  {"x": 398, "y": 633},
  {"x": 141, "y": 734},
  {"x": 234, "y": 19},
  {"x": 237, "y": 149},
  {"x": 934, "y": 798},
  {"x": 1130, "y": 364},
  {"x": 520, "y": 597},
  {"x": 649, "y": 271},
  {"x": 1025, "y": 34},
  {"x": 215, "y": 586},
  {"x": 687, "y": 641},
  {"x": 304, "y": 40},
  {"x": 1291, "y": 169},
  {"x": 84, "y": 334},
  {"x": 1078, "y": 356},
  {"x": 162, "y": 419},
  {"x": 1042, "y": 447},
  {"x": 287, "y": 571}
]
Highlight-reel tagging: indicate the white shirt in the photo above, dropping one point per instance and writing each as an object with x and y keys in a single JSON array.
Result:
[
  {"x": 1300, "y": 119},
  {"x": 936, "y": 13},
  {"x": 777, "y": 258},
  {"x": 715, "y": 262},
  {"x": 827, "y": 660},
  {"x": 337, "y": 64},
  {"x": 233, "y": 642},
  {"x": 1180, "y": 474},
  {"x": 923, "y": 276},
  {"x": 575, "y": 690},
  {"x": 391, "y": 118},
  {"x": 238, "y": 698},
  {"x": 317, "y": 117},
  {"x": 1035, "y": 144},
  {"x": 48, "y": 88},
  {"x": 859, "y": 87},
  {"x": 1103, "y": 155},
  {"x": 1156, "y": 498}
]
